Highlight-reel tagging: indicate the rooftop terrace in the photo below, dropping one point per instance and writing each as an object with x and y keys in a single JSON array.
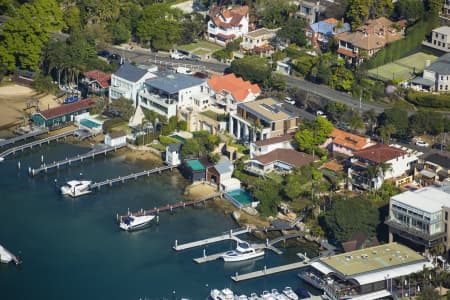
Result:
[{"x": 372, "y": 259}]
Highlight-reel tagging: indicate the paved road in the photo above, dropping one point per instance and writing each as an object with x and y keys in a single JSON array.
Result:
[{"x": 142, "y": 56}]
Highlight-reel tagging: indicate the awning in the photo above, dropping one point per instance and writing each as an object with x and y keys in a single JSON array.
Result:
[
  {"x": 395, "y": 272},
  {"x": 428, "y": 174},
  {"x": 422, "y": 81},
  {"x": 321, "y": 267},
  {"x": 373, "y": 296},
  {"x": 282, "y": 165}
]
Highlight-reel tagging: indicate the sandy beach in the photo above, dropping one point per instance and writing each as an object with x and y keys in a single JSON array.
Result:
[{"x": 18, "y": 103}]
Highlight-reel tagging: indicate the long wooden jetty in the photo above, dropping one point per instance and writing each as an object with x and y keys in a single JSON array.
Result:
[
  {"x": 269, "y": 271},
  {"x": 70, "y": 160},
  {"x": 22, "y": 137},
  {"x": 226, "y": 236},
  {"x": 36, "y": 143},
  {"x": 122, "y": 179},
  {"x": 171, "y": 207}
]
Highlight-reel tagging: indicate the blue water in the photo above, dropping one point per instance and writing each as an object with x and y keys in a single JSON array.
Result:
[
  {"x": 241, "y": 196},
  {"x": 72, "y": 248},
  {"x": 90, "y": 124}
]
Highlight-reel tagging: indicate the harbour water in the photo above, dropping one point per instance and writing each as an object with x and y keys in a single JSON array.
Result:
[{"x": 72, "y": 248}]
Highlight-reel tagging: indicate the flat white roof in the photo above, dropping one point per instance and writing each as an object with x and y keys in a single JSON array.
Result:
[
  {"x": 428, "y": 199},
  {"x": 442, "y": 30}
]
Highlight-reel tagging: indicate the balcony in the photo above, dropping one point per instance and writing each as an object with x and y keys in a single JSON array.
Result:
[{"x": 414, "y": 234}]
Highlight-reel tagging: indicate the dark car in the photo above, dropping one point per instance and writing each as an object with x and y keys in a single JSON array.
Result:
[
  {"x": 104, "y": 53},
  {"x": 439, "y": 146},
  {"x": 115, "y": 58},
  {"x": 194, "y": 58},
  {"x": 200, "y": 75}
]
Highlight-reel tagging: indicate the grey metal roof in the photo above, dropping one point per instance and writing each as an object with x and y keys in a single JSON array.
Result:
[
  {"x": 225, "y": 167},
  {"x": 441, "y": 65},
  {"x": 174, "y": 147},
  {"x": 422, "y": 81},
  {"x": 130, "y": 72},
  {"x": 172, "y": 83}
]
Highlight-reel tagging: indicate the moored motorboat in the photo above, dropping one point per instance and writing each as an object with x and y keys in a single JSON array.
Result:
[
  {"x": 243, "y": 251},
  {"x": 131, "y": 223},
  {"x": 75, "y": 188},
  {"x": 225, "y": 294},
  {"x": 266, "y": 295},
  {"x": 254, "y": 296},
  {"x": 288, "y": 292},
  {"x": 6, "y": 257}
]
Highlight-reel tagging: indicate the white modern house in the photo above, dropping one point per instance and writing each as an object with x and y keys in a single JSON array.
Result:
[
  {"x": 420, "y": 216},
  {"x": 127, "y": 81},
  {"x": 227, "y": 24},
  {"x": 440, "y": 39},
  {"x": 169, "y": 93},
  {"x": 116, "y": 138}
]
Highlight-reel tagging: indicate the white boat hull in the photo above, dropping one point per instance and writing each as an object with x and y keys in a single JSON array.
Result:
[
  {"x": 241, "y": 257},
  {"x": 75, "y": 188},
  {"x": 144, "y": 223}
]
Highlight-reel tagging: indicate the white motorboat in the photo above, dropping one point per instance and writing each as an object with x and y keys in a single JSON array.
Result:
[
  {"x": 243, "y": 251},
  {"x": 75, "y": 188},
  {"x": 225, "y": 294},
  {"x": 266, "y": 295},
  {"x": 6, "y": 257},
  {"x": 240, "y": 297},
  {"x": 132, "y": 223},
  {"x": 254, "y": 296},
  {"x": 278, "y": 296},
  {"x": 290, "y": 293}
]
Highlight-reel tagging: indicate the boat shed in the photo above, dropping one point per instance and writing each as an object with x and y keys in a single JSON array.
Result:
[
  {"x": 62, "y": 114},
  {"x": 195, "y": 169},
  {"x": 372, "y": 269},
  {"x": 116, "y": 138}
]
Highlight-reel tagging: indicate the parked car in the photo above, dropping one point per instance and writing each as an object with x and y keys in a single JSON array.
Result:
[
  {"x": 183, "y": 70},
  {"x": 115, "y": 58},
  {"x": 421, "y": 143},
  {"x": 194, "y": 58},
  {"x": 289, "y": 100},
  {"x": 177, "y": 55},
  {"x": 104, "y": 53},
  {"x": 439, "y": 146}
]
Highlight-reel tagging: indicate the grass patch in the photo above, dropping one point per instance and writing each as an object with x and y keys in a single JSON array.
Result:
[
  {"x": 403, "y": 68},
  {"x": 122, "y": 126},
  {"x": 201, "y": 44}
]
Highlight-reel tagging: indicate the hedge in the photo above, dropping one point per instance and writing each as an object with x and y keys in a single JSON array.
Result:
[{"x": 429, "y": 100}]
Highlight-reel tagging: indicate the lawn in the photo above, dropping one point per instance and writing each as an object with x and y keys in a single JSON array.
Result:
[
  {"x": 404, "y": 68},
  {"x": 122, "y": 126},
  {"x": 200, "y": 45}
]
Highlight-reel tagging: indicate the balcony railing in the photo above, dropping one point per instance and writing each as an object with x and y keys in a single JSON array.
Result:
[{"x": 413, "y": 231}]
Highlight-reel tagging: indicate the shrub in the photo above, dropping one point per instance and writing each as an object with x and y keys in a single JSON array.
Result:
[
  {"x": 166, "y": 140},
  {"x": 429, "y": 100}
]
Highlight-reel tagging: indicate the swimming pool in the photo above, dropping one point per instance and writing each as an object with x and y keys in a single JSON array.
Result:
[
  {"x": 180, "y": 138},
  {"x": 89, "y": 123},
  {"x": 239, "y": 198}
]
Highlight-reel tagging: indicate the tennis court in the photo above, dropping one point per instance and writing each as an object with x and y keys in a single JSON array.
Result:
[{"x": 403, "y": 68}]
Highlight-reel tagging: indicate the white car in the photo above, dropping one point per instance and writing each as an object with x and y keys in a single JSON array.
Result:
[
  {"x": 176, "y": 55},
  {"x": 421, "y": 143},
  {"x": 289, "y": 100}
]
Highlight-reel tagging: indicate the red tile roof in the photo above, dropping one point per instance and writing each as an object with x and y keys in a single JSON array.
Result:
[
  {"x": 349, "y": 140},
  {"x": 333, "y": 165},
  {"x": 236, "y": 86},
  {"x": 288, "y": 156},
  {"x": 274, "y": 140},
  {"x": 346, "y": 52},
  {"x": 102, "y": 78},
  {"x": 380, "y": 153},
  {"x": 67, "y": 108},
  {"x": 220, "y": 15}
]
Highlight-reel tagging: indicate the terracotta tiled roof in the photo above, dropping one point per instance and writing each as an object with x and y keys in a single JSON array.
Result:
[
  {"x": 346, "y": 52},
  {"x": 67, "y": 108},
  {"x": 333, "y": 165},
  {"x": 102, "y": 78},
  {"x": 288, "y": 156},
  {"x": 236, "y": 86},
  {"x": 225, "y": 36},
  {"x": 348, "y": 140},
  {"x": 380, "y": 153},
  {"x": 274, "y": 140},
  {"x": 375, "y": 34},
  {"x": 331, "y": 21},
  {"x": 235, "y": 14}
]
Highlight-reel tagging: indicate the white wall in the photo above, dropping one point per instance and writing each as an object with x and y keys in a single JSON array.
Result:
[
  {"x": 257, "y": 151},
  {"x": 116, "y": 141},
  {"x": 400, "y": 165}
]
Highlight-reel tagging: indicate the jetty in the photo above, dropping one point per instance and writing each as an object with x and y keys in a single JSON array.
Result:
[
  {"x": 171, "y": 207},
  {"x": 231, "y": 235},
  {"x": 68, "y": 161},
  {"x": 268, "y": 271},
  {"x": 23, "y": 137},
  {"x": 122, "y": 179},
  {"x": 40, "y": 142}
]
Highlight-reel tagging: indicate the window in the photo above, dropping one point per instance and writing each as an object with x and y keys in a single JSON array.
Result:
[
  {"x": 273, "y": 126},
  {"x": 446, "y": 216},
  {"x": 439, "y": 44}
]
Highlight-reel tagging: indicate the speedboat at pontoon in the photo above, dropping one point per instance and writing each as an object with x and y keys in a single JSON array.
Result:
[
  {"x": 279, "y": 296},
  {"x": 225, "y": 294},
  {"x": 266, "y": 295},
  {"x": 75, "y": 188},
  {"x": 131, "y": 223},
  {"x": 243, "y": 251},
  {"x": 288, "y": 292}
]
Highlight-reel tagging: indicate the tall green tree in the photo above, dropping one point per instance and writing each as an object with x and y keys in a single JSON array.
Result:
[
  {"x": 311, "y": 134},
  {"x": 253, "y": 68},
  {"x": 294, "y": 31},
  {"x": 267, "y": 192},
  {"x": 398, "y": 117},
  {"x": 159, "y": 26}
]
